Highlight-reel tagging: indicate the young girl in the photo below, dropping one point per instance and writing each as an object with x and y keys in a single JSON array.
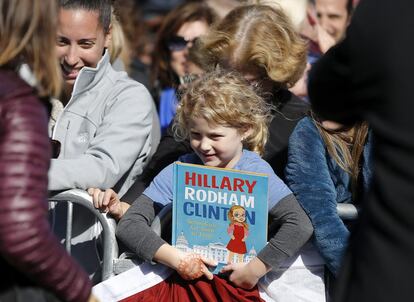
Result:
[
  {"x": 238, "y": 230},
  {"x": 226, "y": 123},
  {"x": 328, "y": 164}
]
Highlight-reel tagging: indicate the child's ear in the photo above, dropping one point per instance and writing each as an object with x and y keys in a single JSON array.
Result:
[{"x": 246, "y": 133}]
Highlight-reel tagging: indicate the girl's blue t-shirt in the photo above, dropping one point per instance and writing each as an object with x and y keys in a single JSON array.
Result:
[{"x": 161, "y": 188}]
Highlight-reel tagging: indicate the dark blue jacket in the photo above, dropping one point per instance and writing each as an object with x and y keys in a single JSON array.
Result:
[{"x": 319, "y": 183}]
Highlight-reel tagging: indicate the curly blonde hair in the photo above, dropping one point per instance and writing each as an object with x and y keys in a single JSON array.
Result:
[
  {"x": 259, "y": 37},
  {"x": 227, "y": 100}
]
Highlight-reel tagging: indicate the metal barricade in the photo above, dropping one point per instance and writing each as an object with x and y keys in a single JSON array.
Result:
[
  {"x": 112, "y": 263},
  {"x": 347, "y": 211},
  {"x": 110, "y": 246}
]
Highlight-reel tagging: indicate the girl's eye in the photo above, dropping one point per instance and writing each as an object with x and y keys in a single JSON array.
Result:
[{"x": 216, "y": 136}]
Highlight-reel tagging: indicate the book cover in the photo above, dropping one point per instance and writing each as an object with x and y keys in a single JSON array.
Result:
[{"x": 219, "y": 213}]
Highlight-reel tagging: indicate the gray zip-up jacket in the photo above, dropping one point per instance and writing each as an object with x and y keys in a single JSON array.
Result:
[{"x": 104, "y": 131}]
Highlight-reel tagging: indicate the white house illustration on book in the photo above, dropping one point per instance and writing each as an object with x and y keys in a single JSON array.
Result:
[{"x": 214, "y": 250}]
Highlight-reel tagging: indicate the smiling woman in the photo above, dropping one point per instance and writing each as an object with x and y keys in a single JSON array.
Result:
[
  {"x": 105, "y": 125},
  {"x": 91, "y": 85},
  {"x": 80, "y": 43}
]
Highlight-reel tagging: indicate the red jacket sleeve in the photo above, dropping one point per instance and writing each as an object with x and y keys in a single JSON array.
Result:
[{"x": 26, "y": 241}]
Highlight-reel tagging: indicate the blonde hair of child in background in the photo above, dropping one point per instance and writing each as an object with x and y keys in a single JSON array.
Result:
[{"x": 258, "y": 37}]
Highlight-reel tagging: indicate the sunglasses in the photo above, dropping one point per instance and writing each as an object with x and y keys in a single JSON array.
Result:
[{"x": 177, "y": 43}]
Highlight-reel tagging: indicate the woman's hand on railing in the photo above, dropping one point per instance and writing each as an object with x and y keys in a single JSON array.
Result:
[{"x": 108, "y": 202}]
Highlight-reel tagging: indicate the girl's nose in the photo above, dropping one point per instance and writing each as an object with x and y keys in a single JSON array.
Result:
[{"x": 205, "y": 144}]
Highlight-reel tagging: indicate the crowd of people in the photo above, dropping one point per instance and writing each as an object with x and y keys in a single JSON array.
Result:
[{"x": 104, "y": 95}]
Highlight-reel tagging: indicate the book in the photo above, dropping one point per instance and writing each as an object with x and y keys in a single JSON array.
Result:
[{"x": 219, "y": 213}]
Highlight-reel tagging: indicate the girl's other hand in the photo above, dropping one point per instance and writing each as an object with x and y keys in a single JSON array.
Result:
[
  {"x": 246, "y": 275},
  {"x": 107, "y": 201}
]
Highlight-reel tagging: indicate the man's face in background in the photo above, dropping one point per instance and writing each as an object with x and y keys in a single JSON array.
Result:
[{"x": 333, "y": 17}]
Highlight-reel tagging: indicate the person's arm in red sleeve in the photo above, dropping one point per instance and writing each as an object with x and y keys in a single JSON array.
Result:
[{"x": 26, "y": 241}]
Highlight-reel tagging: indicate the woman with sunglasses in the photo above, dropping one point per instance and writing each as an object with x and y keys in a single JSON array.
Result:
[
  {"x": 33, "y": 264},
  {"x": 328, "y": 164},
  {"x": 170, "y": 58}
]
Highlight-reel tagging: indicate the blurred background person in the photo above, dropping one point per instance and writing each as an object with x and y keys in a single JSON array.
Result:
[
  {"x": 170, "y": 61},
  {"x": 332, "y": 19},
  {"x": 139, "y": 32},
  {"x": 297, "y": 12},
  {"x": 33, "y": 264},
  {"x": 368, "y": 76},
  {"x": 119, "y": 48}
]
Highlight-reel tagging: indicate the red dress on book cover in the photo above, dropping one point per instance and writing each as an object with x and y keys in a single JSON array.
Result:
[{"x": 236, "y": 245}]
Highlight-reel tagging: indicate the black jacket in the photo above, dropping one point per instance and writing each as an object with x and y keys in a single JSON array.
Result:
[{"x": 370, "y": 76}]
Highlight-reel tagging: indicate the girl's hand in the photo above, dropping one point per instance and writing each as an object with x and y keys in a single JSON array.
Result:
[
  {"x": 107, "y": 202},
  {"x": 246, "y": 275},
  {"x": 192, "y": 266}
]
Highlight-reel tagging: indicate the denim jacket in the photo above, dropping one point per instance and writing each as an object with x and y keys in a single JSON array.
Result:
[{"x": 319, "y": 183}]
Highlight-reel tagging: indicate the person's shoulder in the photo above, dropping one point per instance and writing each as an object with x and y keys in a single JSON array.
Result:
[
  {"x": 119, "y": 79},
  {"x": 12, "y": 86},
  {"x": 122, "y": 78},
  {"x": 305, "y": 136},
  {"x": 252, "y": 162},
  {"x": 306, "y": 122},
  {"x": 126, "y": 90},
  {"x": 292, "y": 103},
  {"x": 306, "y": 126}
]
